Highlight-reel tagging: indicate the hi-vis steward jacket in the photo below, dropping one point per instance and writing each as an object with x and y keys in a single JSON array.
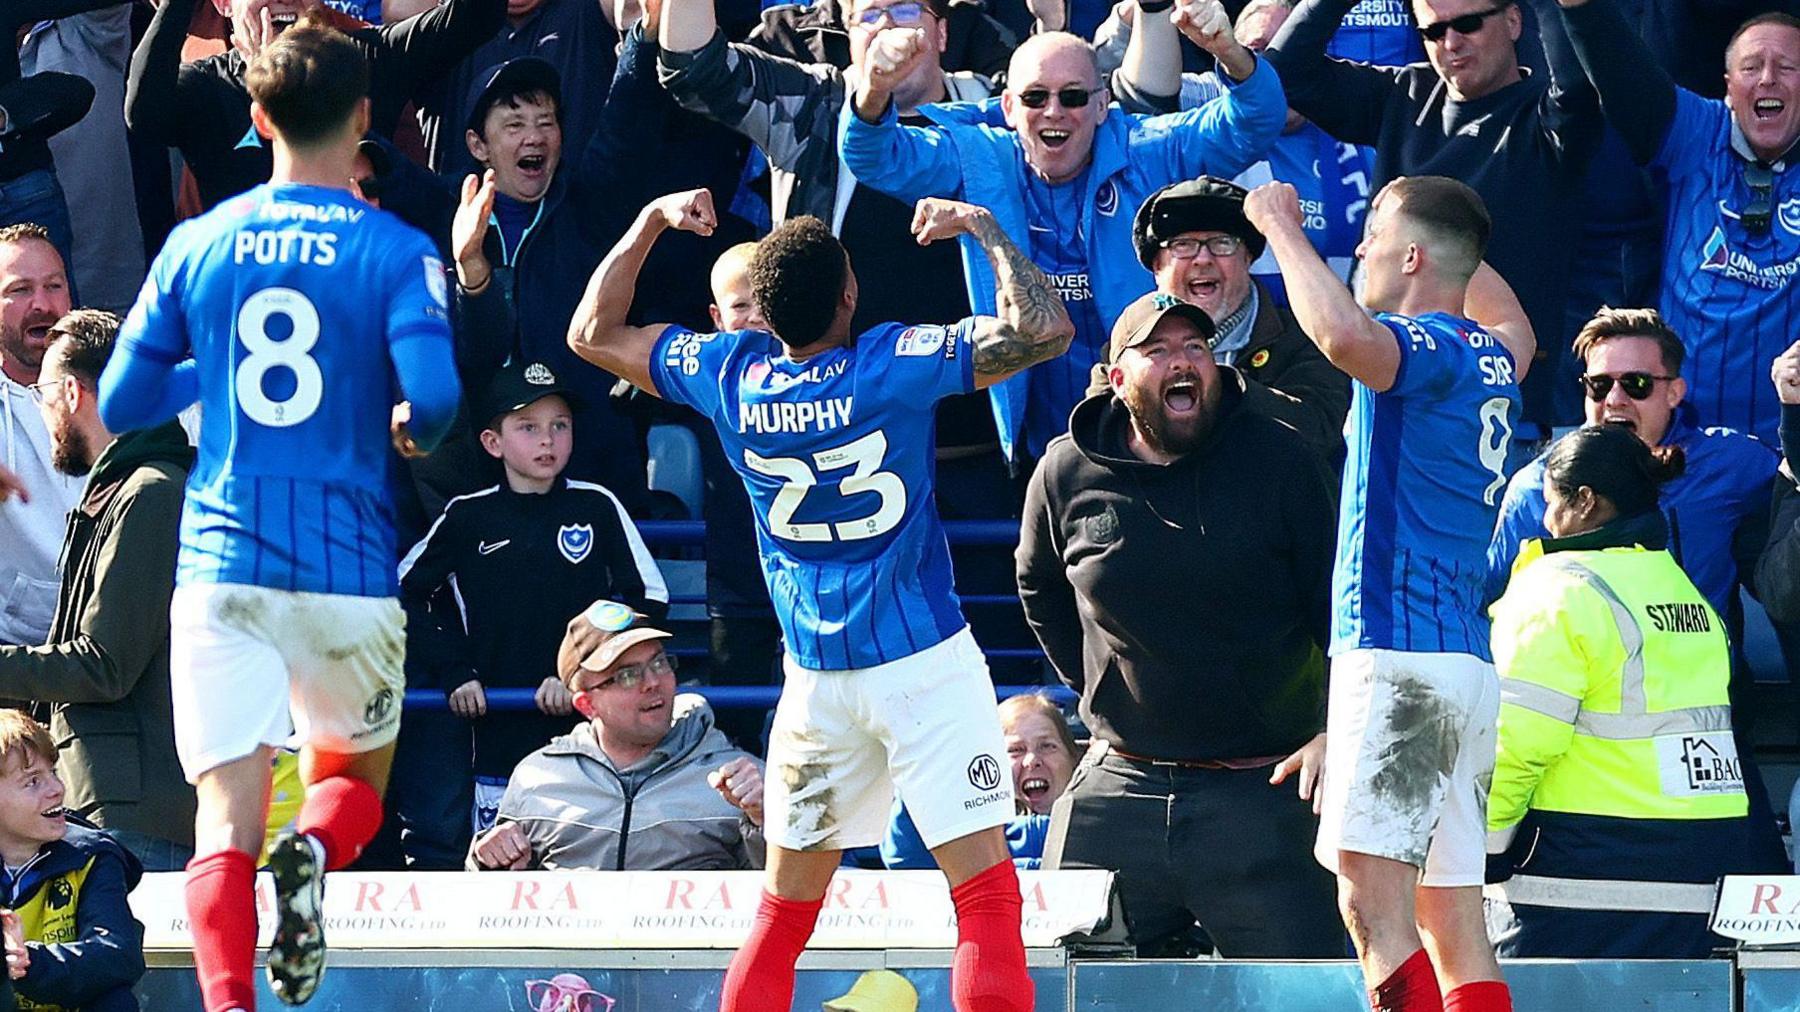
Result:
[
  {"x": 86, "y": 949},
  {"x": 1615, "y": 727}
]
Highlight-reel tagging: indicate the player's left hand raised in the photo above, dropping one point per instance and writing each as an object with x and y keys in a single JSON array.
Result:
[
  {"x": 554, "y": 698},
  {"x": 690, "y": 211},
  {"x": 936, "y": 218},
  {"x": 1271, "y": 206},
  {"x": 1309, "y": 763},
  {"x": 740, "y": 782}
]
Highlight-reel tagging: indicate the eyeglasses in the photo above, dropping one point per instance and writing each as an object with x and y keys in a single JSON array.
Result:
[
  {"x": 905, "y": 13},
  {"x": 1637, "y": 385},
  {"x": 41, "y": 389},
  {"x": 1070, "y": 98},
  {"x": 1465, "y": 24},
  {"x": 1761, "y": 180},
  {"x": 1187, "y": 248},
  {"x": 632, "y": 676},
  {"x": 550, "y": 996}
]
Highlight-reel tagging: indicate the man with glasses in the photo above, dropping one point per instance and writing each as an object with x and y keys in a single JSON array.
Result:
[
  {"x": 34, "y": 294},
  {"x": 1732, "y": 243},
  {"x": 1474, "y": 114},
  {"x": 1194, "y": 237},
  {"x": 646, "y": 784},
  {"x": 1064, "y": 182}
]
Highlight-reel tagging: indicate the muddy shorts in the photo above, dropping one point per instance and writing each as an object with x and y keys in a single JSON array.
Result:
[
  {"x": 251, "y": 666},
  {"x": 1409, "y": 756},
  {"x": 844, "y": 741}
]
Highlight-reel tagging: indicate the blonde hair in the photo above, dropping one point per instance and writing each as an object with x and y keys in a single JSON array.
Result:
[{"x": 735, "y": 260}]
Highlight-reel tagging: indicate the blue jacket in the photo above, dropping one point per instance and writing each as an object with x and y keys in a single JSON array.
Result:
[
  {"x": 971, "y": 159},
  {"x": 86, "y": 949},
  {"x": 903, "y": 849},
  {"x": 1727, "y": 481}
]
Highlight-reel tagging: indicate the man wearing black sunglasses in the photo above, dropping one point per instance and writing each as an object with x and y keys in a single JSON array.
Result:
[
  {"x": 1733, "y": 233},
  {"x": 1064, "y": 183},
  {"x": 1521, "y": 140}
]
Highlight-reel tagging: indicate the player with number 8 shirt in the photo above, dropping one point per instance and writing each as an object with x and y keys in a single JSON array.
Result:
[
  {"x": 296, "y": 314},
  {"x": 1414, "y": 699},
  {"x": 831, "y": 433}
]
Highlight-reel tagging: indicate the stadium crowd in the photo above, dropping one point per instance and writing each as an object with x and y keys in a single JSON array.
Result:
[{"x": 1176, "y": 476}]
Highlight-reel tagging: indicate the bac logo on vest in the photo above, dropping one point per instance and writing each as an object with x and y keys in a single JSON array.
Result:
[
  {"x": 575, "y": 541},
  {"x": 1694, "y": 764}
]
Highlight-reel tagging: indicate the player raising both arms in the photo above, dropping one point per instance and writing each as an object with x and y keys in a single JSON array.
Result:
[
  {"x": 886, "y": 689},
  {"x": 1414, "y": 700},
  {"x": 293, "y": 312}
]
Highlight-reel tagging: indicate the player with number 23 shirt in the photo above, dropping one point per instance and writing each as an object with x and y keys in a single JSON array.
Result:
[
  {"x": 831, "y": 433},
  {"x": 296, "y": 314}
]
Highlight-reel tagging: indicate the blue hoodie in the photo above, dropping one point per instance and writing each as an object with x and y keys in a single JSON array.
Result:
[{"x": 969, "y": 158}]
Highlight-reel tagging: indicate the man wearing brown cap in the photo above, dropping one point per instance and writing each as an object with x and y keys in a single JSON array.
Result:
[
  {"x": 1200, "y": 785},
  {"x": 1194, "y": 237},
  {"x": 695, "y": 801}
]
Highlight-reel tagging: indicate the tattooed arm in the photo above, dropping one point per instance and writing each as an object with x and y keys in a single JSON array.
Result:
[{"x": 1031, "y": 325}]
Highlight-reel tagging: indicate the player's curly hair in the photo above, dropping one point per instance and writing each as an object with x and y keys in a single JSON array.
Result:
[{"x": 797, "y": 278}]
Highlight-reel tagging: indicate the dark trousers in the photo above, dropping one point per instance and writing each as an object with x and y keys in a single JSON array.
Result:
[
  {"x": 745, "y": 650},
  {"x": 1560, "y": 933},
  {"x": 1219, "y": 847}
]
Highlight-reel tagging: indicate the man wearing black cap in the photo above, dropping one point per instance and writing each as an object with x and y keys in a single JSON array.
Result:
[
  {"x": 1194, "y": 237},
  {"x": 1198, "y": 713},
  {"x": 525, "y": 556}
]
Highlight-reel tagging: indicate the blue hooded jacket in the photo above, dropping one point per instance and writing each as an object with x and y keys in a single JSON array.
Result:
[{"x": 967, "y": 157}]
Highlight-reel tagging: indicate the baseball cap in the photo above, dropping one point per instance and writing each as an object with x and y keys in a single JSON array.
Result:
[
  {"x": 622, "y": 628},
  {"x": 514, "y": 77},
  {"x": 877, "y": 991},
  {"x": 1206, "y": 204},
  {"x": 519, "y": 385},
  {"x": 1142, "y": 316}
]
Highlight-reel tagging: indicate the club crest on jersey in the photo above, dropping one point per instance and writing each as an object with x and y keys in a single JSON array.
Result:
[
  {"x": 575, "y": 541},
  {"x": 1106, "y": 199},
  {"x": 920, "y": 341}
]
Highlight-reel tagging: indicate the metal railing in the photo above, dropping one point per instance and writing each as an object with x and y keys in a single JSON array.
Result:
[{"x": 692, "y": 534}]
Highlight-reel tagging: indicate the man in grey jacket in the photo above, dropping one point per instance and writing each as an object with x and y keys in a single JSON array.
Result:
[{"x": 647, "y": 784}]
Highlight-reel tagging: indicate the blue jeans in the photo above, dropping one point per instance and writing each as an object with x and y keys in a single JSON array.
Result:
[
  {"x": 37, "y": 197},
  {"x": 156, "y": 853}
]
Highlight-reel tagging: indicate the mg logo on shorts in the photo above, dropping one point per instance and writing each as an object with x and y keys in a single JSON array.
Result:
[
  {"x": 984, "y": 772},
  {"x": 379, "y": 708}
]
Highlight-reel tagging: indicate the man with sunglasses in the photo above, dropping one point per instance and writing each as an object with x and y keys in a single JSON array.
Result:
[
  {"x": 1732, "y": 246},
  {"x": 1521, "y": 140},
  {"x": 647, "y": 783},
  {"x": 34, "y": 294},
  {"x": 1194, "y": 237},
  {"x": 1064, "y": 182}
]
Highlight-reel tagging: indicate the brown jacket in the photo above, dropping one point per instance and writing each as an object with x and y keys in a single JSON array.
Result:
[{"x": 101, "y": 682}]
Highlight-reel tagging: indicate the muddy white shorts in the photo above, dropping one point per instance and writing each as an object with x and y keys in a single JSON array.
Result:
[
  {"x": 1409, "y": 757},
  {"x": 844, "y": 741},
  {"x": 250, "y": 666}
]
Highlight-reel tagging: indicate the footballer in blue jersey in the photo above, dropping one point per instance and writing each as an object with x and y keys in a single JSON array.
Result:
[
  {"x": 885, "y": 689},
  {"x": 298, "y": 316},
  {"x": 1413, "y": 699}
]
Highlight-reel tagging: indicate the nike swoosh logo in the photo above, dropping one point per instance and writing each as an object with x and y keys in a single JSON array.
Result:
[{"x": 487, "y": 549}]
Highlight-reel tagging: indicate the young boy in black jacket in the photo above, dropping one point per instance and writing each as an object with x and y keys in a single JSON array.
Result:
[
  {"x": 520, "y": 560},
  {"x": 64, "y": 885}
]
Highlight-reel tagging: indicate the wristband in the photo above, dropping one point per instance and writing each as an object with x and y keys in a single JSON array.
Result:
[{"x": 1155, "y": 6}]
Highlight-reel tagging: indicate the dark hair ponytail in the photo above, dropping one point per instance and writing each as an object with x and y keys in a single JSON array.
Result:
[{"x": 1616, "y": 464}]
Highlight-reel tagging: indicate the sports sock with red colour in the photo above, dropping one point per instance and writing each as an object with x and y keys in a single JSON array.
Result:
[
  {"x": 221, "y": 905},
  {"x": 1480, "y": 996},
  {"x": 342, "y": 813},
  {"x": 1412, "y": 988},
  {"x": 761, "y": 977},
  {"x": 988, "y": 973}
]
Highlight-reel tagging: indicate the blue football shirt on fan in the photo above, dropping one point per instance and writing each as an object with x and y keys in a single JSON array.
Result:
[
  {"x": 1727, "y": 287},
  {"x": 1377, "y": 32},
  {"x": 836, "y": 451},
  {"x": 305, "y": 313},
  {"x": 1057, "y": 245},
  {"x": 1422, "y": 486}
]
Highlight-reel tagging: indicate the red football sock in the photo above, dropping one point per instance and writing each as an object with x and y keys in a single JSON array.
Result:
[
  {"x": 342, "y": 813},
  {"x": 988, "y": 974},
  {"x": 221, "y": 905},
  {"x": 1412, "y": 988},
  {"x": 761, "y": 977},
  {"x": 1480, "y": 996}
]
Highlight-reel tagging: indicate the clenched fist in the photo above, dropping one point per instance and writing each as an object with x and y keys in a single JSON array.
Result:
[
  {"x": 1786, "y": 374},
  {"x": 740, "y": 782},
  {"x": 1273, "y": 206}
]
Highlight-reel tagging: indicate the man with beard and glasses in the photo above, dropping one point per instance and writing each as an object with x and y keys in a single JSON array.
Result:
[
  {"x": 101, "y": 681},
  {"x": 34, "y": 294},
  {"x": 1414, "y": 697},
  {"x": 1171, "y": 479}
]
